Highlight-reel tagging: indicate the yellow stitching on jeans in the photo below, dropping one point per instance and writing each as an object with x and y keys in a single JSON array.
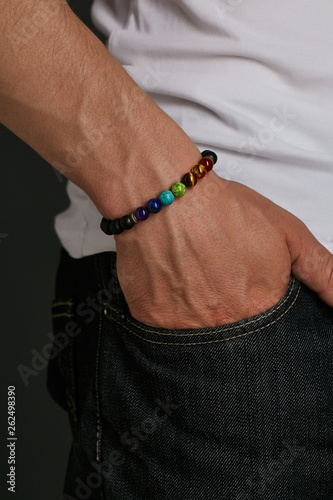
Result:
[
  {"x": 71, "y": 407},
  {"x": 212, "y": 341},
  {"x": 67, "y": 303},
  {"x": 262, "y": 316},
  {"x": 222, "y": 328},
  {"x": 110, "y": 307}
]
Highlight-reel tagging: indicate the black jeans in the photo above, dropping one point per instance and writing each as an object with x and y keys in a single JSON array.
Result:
[{"x": 237, "y": 412}]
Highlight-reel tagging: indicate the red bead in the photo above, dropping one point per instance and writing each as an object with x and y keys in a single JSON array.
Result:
[
  {"x": 199, "y": 171},
  {"x": 207, "y": 163}
]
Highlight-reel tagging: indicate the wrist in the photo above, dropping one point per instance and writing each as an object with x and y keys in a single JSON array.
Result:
[
  {"x": 196, "y": 214},
  {"x": 150, "y": 154},
  {"x": 167, "y": 197}
]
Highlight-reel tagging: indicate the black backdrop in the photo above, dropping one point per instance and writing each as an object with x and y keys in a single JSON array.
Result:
[{"x": 31, "y": 195}]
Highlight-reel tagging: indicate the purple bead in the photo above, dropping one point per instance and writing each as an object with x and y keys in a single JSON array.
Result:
[{"x": 141, "y": 213}]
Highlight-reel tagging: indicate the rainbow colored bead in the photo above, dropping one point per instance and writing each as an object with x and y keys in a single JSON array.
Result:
[
  {"x": 178, "y": 189},
  {"x": 189, "y": 179},
  {"x": 154, "y": 205},
  {"x": 199, "y": 171},
  {"x": 207, "y": 162},
  {"x": 166, "y": 197},
  {"x": 141, "y": 213}
]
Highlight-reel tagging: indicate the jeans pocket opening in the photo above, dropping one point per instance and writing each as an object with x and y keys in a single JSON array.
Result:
[{"x": 219, "y": 333}]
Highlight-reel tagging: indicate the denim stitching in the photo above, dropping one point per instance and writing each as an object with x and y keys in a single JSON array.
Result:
[
  {"x": 61, "y": 315},
  {"x": 71, "y": 409},
  {"x": 67, "y": 303},
  {"x": 69, "y": 381},
  {"x": 62, "y": 303},
  {"x": 98, "y": 410},
  {"x": 97, "y": 378},
  {"x": 222, "y": 328},
  {"x": 210, "y": 341}
]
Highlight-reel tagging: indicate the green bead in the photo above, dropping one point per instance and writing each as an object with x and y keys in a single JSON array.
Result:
[{"x": 178, "y": 189}]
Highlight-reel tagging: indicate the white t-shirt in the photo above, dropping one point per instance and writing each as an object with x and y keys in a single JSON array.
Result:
[{"x": 250, "y": 79}]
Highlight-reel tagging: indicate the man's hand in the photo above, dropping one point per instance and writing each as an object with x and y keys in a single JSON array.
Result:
[{"x": 220, "y": 254}]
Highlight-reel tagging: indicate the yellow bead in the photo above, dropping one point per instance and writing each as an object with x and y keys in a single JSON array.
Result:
[{"x": 199, "y": 171}]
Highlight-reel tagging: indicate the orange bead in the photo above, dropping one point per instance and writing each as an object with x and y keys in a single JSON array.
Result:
[
  {"x": 189, "y": 179},
  {"x": 199, "y": 171}
]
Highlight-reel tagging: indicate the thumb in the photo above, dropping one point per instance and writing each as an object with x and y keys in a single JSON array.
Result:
[{"x": 311, "y": 263}]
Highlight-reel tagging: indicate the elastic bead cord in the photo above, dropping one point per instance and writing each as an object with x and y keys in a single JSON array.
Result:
[{"x": 154, "y": 205}]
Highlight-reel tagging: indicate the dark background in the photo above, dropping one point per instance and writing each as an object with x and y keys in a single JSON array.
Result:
[{"x": 32, "y": 193}]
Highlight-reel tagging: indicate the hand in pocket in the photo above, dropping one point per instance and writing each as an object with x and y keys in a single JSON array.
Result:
[{"x": 220, "y": 254}]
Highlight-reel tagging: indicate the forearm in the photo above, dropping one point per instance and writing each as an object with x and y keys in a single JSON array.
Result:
[{"x": 63, "y": 93}]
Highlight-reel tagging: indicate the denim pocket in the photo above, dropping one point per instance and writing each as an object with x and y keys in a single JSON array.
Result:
[
  {"x": 255, "y": 324},
  {"x": 208, "y": 420}
]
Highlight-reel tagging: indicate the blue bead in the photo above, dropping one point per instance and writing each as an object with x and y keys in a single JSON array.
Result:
[
  {"x": 166, "y": 197},
  {"x": 154, "y": 205}
]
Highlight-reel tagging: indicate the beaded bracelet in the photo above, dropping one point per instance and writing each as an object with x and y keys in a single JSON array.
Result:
[{"x": 178, "y": 189}]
